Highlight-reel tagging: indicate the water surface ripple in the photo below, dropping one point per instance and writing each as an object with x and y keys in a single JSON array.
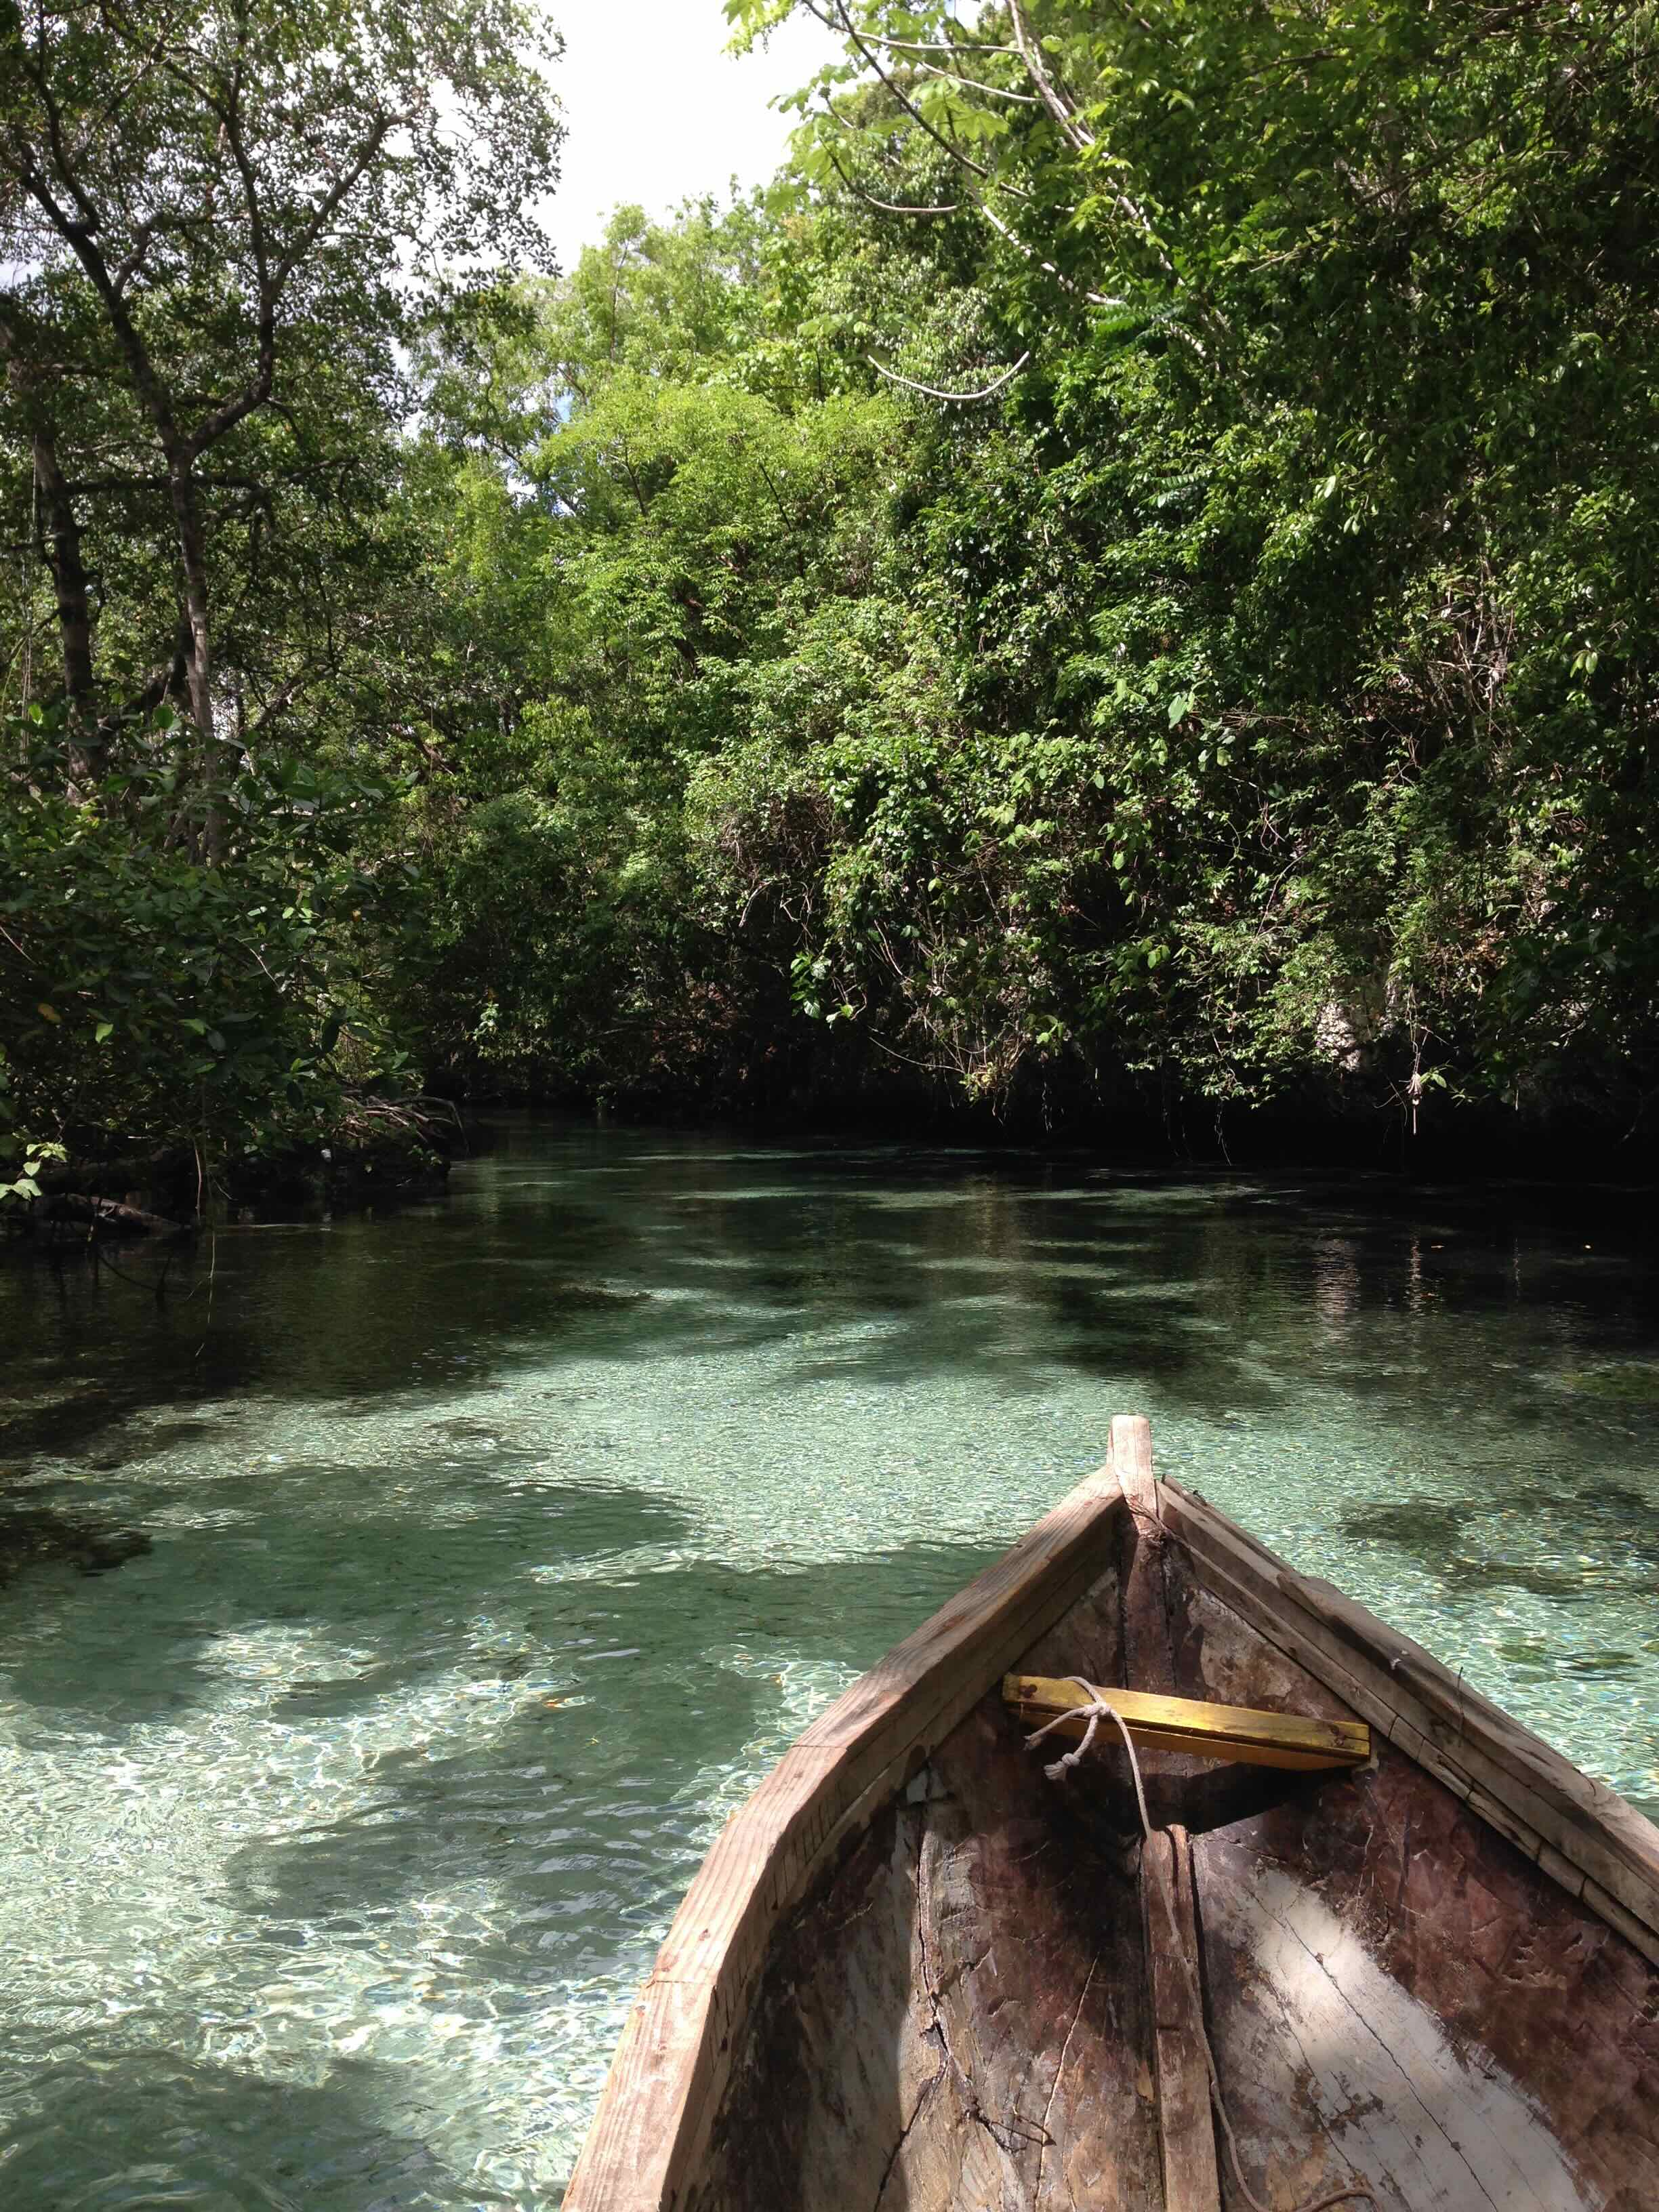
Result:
[{"x": 482, "y": 1557}]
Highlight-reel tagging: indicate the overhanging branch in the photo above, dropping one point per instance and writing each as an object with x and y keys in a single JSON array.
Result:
[{"x": 955, "y": 398}]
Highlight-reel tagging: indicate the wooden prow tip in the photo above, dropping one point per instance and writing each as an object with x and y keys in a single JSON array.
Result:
[{"x": 1132, "y": 1461}]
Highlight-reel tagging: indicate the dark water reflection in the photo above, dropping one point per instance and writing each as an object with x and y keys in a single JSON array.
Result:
[{"x": 493, "y": 1548}]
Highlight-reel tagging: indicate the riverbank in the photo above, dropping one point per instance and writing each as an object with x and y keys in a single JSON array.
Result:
[{"x": 175, "y": 1191}]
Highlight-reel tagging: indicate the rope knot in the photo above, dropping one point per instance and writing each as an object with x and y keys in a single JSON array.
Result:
[{"x": 1098, "y": 1708}]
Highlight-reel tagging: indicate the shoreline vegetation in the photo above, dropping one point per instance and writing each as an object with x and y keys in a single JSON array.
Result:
[
  {"x": 1110, "y": 603},
  {"x": 173, "y": 1193}
]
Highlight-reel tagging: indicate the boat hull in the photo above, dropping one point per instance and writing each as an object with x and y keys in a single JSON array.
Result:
[{"x": 917, "y": 1973}]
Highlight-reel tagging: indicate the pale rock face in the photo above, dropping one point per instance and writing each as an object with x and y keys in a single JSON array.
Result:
[{"x": 1345, "y": 1029}]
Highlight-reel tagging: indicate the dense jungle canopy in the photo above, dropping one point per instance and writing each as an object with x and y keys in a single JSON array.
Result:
[{"x": 1119, "y": 589}]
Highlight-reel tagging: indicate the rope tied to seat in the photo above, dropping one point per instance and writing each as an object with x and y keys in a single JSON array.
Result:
[{"x": 1099, "y": 1708}]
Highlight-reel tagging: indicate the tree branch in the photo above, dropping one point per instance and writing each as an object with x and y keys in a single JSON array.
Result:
[
  {"x": 1063, "y": 110},
  {"x": 889, "y": 207},
  {"x": 973, "y": 84},
  {"x": 346, "y": 182},
  {"x": 948, "y": 47},
  {"x": 957, "y": 399},
  {"x": 283, "y": 697},
  {"x": 1065, "y": 282},
  {"x": 848, "y": 28}
]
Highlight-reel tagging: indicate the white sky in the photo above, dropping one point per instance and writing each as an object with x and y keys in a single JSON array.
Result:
[{"x": 657, "y": 109}]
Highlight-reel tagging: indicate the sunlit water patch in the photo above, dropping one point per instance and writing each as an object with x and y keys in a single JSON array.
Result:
[{"x": 399, "y": 1607}]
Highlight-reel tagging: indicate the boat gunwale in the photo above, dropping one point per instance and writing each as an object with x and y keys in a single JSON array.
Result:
[
  {"x": 683, "y": 2036},
  {"x": 680, "y": 2041},
  {"x": 1577, "y": 1831}
]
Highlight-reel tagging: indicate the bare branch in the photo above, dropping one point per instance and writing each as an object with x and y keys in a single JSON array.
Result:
[
  {"x": 281, "y": 699},
  {"x": 949, "y": 46},
  {"x": 1299, "y": 61},
  {"x": 89, "y": 214},
  {"x": 973, "y": 84},
  {"x": 274, "y": 282},
  {"x": 1065, "y": 282},
  {"x": 345, "y": 183},
  {"x": 78, "y": 237},
  {"x": 851, "y": 31},
  {"x": 1064, "y": 112},
  {"x": 889, "y": 207},
  {"x": 1014, "y": 192},
  {"x": 165, "y": 483},
  {"x": 977, "y": 201},
  {"x": 957, "y": 399}
]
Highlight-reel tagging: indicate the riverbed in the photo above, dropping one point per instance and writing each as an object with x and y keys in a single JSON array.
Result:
[{"x": 432, "y": 1585}]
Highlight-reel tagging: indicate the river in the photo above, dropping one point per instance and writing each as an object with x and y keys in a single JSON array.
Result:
[{"x": 485, "y": 1552}]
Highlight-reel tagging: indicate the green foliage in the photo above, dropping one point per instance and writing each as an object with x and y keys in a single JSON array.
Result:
[
  {"x": 1247, "y": 699},
  {"x": 223, "y": 230},
  {"x": 220, "y": 225},
  {"x": 34, "y": 1154},
  {"x": 653, "y": 525},
  {"x": 147, "y": 994},
  {"x": 1313, "y": 528}
]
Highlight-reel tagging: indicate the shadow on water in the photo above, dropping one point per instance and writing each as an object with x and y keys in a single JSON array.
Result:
[
  {"x": 110, "y": 2129},
  {"x": 411, "y": 1642},
  {"x": 928, "y": 1263},
  {"x": 586, "y": 1812},
  {"x": 33, "y": 1534},
  {"x": 389, "y": 1575},
  {"x": 1455, "y": 1538},
  {"x": 638, "y": 1266}
]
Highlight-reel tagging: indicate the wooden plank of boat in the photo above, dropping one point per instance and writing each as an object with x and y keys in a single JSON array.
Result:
[
  {"x": 1291, "y": 1741},
  {"x": 1583, "y": 1835},
  {"x": 914, "y": 1975},
  {"x": 1186, "y": 2136},
  {"x": 675, "y": 2053}
]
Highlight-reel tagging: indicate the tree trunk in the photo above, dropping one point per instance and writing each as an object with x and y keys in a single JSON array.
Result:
[
  {"x": 60, "y": 534},
  {"x": 192, "y": 557},
  {"x": 198, "y": 670}
]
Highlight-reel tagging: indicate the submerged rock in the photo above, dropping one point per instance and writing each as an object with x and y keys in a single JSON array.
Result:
[{"x": 34, "y": 1535}]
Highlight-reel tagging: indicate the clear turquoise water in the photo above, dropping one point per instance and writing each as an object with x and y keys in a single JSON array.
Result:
[{"x": 496, "y": 1547}]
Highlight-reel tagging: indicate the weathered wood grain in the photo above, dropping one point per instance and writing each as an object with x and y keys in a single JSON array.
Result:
[
  {"x": 914, "y": 1976},
  {"x": 1131, "y": 1461},
  {"x": 1397, "y": 1994},
  {"x": 1529, "y": 1793},
  {"x": 674, "y": 2055},
  {"x": 1192, "y": 2182},
  {"x": 1242, "y": 1734},
  {"x": 956, "y": 2014}
]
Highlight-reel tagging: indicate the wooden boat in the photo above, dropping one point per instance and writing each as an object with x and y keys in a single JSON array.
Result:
[{"x": 914, "y": 1972}]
